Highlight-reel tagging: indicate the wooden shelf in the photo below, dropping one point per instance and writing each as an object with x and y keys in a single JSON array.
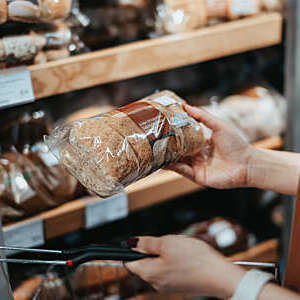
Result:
[
  {"x": 149, "y": 56},
  {"x": 263, "y": 252},
  {"x": 154, "y": 189}
]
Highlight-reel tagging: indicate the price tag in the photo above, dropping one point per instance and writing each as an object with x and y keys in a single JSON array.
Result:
[
  {"x": 28, "y": 234},
  {"x": 102, "y": 211},
  {"x": 15, "y": 87}
]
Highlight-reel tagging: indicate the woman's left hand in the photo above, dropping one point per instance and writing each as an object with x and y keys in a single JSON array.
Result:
[{"x": 186, "y": 265}]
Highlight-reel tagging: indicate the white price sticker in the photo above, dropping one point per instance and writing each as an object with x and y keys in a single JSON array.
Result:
[
  {"x": 28, "y": 234},
  {"x": 15, "y": 87},
  {"x": 102, "y": 211},
  {"x": 165, "y": 100}
]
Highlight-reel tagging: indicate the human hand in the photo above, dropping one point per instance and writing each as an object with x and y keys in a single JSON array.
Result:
[
  {"x": 227, "y": 165},
  {"x": 186, "y": 265}
]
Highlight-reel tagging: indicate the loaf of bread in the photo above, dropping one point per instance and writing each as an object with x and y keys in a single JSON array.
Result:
[
  {"x": 257, "y": 113},
  {"x": 110, "y": 151},
  {"x": 34, "y": 10},
  {"x": 20, "y": 48}
]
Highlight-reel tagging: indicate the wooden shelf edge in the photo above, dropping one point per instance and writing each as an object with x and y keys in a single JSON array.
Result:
[
  {"x": 150, "y": 56},
  {"x": 264, "y": 252},
  {"x": 152, "y": 190}
]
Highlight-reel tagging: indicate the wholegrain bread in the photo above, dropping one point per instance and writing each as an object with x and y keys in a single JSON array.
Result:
[{"x": 112, "y": 150}]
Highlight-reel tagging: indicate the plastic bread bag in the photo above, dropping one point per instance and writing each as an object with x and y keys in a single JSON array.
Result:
[
  {"x": 110, "y": 151},
  {"x": 174, "y": 16},
  {"x": 22, "y": 48},
  {"x": 257, "y": 112},
  {"x": 43, "y": 287},
  {"x": 36, "y": 11}
]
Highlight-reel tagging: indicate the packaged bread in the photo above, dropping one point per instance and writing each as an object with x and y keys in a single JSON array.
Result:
[
  {"x": 36, "y": 11},
  {"x": 175, "y": 16},
  {"x": 46, "y": 287},
  {"x": 22, "y": 48},
  {"x": 257, "y": 112},
  {"x": 112, "y": 150}
]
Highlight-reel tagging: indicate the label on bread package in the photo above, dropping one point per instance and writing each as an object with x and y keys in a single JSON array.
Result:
[
  {"x": 152, "y": 121},
  {"x": 216, "y": 8},
  {"x": 243, "y": 7}
]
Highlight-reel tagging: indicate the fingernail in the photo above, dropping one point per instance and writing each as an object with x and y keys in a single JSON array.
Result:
[{"x": 132, "y": 242}]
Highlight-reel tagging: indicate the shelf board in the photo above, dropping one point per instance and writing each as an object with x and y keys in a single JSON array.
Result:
[
  {"x": 155, "y": 55},
  {"x": 152, "y": 190}
]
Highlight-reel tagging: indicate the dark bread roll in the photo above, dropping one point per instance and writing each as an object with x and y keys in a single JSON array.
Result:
[{"x": 224, "y": 234}]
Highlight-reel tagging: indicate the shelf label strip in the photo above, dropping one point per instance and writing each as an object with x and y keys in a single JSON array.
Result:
[
  {"x": 15, "y": 87},
  {"x": 28, "y": 234},
  {"x": 103, "y": 211}
]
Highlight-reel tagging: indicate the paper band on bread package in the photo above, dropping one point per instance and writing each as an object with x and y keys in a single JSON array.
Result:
[{"x": 112, "y": 150}]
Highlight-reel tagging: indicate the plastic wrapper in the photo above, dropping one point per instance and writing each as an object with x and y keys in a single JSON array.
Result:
[
  {"x": 37, "y": 11},
  {"x": 47, "y": 287},
  {"x": 223, "y": 234},
  {"x": 23, "y": 48},
  {"x": 92, "y": 281},
  {"x": 39, "y": 46},
  {"x": 175, "y": 16},
  {"x": 116, "y": 23},
  {"x": 31, "y": 179},
  {"x": 113, "y": 150},
  {"x": 257, "y": 112}
]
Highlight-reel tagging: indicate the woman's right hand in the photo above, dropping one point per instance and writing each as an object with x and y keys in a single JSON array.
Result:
[{"x": 227, "y": 166}]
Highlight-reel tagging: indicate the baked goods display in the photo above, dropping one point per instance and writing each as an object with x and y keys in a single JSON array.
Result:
[
  {"x": 37, "y": 11},
  {"x": 31, "y": 179},
  {"x": 43, "y": 287},
  {"x": 110, "y": 151},
  {"x": 36, "y": 31},
  {"x": 224, "y": 234},
  {"x": 118, "y": 22},
  {"x": 257, "y": 112},
  {"x": 175, "y": 16}
]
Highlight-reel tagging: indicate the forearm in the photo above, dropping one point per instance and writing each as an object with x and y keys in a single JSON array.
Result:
[
  {"x": 272, "y": 291},
  {"x": 274, "y": 170}
]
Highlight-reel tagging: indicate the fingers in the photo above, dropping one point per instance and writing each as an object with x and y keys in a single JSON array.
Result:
[
  {"x": 183, "y": 169},
  {"x": 145, "y": 269},
  {"x": 149, "y": 245},
  {"x": 205, "y": 117}
]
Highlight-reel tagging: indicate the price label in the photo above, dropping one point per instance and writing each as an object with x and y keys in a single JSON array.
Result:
[
  {"x": 15, "y": 87},
  {"x": 102, "y": 211},
  {"x": 28, "y": 234}
]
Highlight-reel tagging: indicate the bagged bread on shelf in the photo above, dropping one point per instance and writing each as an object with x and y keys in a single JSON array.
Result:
[
  {"x": 37, "y": 11},
  {"x": 257, "y": 112},
  {"x": 224, "y": 234},
  {"x": 43, "y": 287},
  {"x": 22, "y": 48},
  {"x": 31, "y": 179},
  {"x": 110, "y": 151},
  {"x": 175, "y": 16}
]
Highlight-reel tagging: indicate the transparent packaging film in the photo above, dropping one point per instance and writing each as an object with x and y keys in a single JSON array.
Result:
[
  {"x": 34, "y": 11},
  {"x": 257, "y": 112},
  {"x": 174, "y": 16},
  {"x": 112, "y": 150}
]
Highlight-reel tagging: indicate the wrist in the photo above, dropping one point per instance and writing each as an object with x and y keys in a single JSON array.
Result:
[
  {"x": 255, "y": 167},
  {"x": 230, "y": 281}
]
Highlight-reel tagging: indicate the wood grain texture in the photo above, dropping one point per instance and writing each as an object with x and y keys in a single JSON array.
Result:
[
  {"x": 149, "y": 56},
  {"x": 154, "y": 189}
]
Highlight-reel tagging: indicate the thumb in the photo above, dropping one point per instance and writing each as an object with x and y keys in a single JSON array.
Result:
[
  {"x": 149, "y": 245},
  {"x": 204, "y": 117}
]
